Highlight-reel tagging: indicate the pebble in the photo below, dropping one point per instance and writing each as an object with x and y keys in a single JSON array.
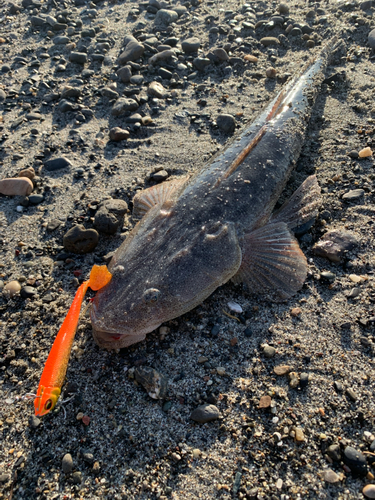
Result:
[
  {"x": 351, "y": 394},
  {"x": 155, "y": 384},
  {"x": 299, "y": 435},
  {"x": 12, "y": 288},
  {"x": 269, "y": 40},
  {"x": 265, "y": 402},
  {"x": 371, "y": 39},
  {"x": 331, "y": 477},
  {"x": 118, "y": 134},
  {"x": 234, "y": 307},
  {"x": 200, "y": 63},
  {"x": 226, "y": 123},
  {"x": 333, "y": 451},
  {"x": 296, "y": 311},
  {"x": 110, "y": 216},
  {"x": 28, "y": 292},
  {"x": 269, "y": 351},
  {"x": 353, "y": 154},
  {"x": 78, "y": 57},
  {"x": 80, "y": 240},
  {"x": 156, "y": 89},
  {"x": 304, "y": 380},
  {"x": 271, "y": 72},
  {"x": 123, "y": 105},
  {"x": 35, "y": 199},
  {"x": 77, "y": 477},
  {"x": 4, "y": 478},
  {"x": 282, "y": 370},
  {"x": 335, "y": 244},
  {"x": 250, "y": 58},
  {"x": 125, "y": 73},
  {"x": 220, "y": 54},
  {"x": 293, "y": 380},
  {"x": 160, "y": 176},
  {"x": 133, "y": 50},
  {"x": 369, "y": 489},
  {"x": 196, "y": 453},
  {"x": 67, "y": 463},
  {"x": 57, "y": 164},
  {"x": 19, "y": 186},
  {"x": 356, "y": 461},
  {"x": 205, "y": 413},
  {"x": 34, "y": 422},
  {"x": 191, "y": 45},
  {"x": 165, "y": 17},
  {"x": 161, "y": 56},
  {"x": 365, "y": 153},
  {"x": 283, "y": 8},
  {"x": 354, "y": 194},
  {"x": 27, "y": 172}
]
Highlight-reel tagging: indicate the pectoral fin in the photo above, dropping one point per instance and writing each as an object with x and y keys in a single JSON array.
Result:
[
  {"x": 156, "y": 196},
  {"x": 302, "y": 207},
  {"x": 272, "y": 261}
]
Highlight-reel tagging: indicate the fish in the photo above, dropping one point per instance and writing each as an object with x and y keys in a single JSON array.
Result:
[
  {"x": 55, "y": 368},
  {"x": 197, "y": 232}
]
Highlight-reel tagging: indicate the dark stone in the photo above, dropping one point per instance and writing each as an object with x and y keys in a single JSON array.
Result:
[
  {"x": 304, "y": 380},
  {"x": 356, "y": 461},
  {"x": 226, "y": 123},
  {"x": 35, "y": 199},
  {"x": 28, "y": 292},
  {"x": 335, "y": 244},
  {"x": 78, "y": 57},
  {"x": 205, "y": 413},
  {"x": 155, "y": 384},
  {"x": 57, "y": 164},
  {"x": 80, "y": 240},
  {"x": 133, "y": 50},
  {"x": 333, "y": 452}
]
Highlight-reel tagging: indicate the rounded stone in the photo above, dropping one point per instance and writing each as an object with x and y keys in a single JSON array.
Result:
[
  {"x": 133, "y": 51},
  {"x": 27, "y": 172},
  {"x": 331, "y": 477},
  {"x": 205, "y": 413},
  {"x": 78, "y": 57},
  {"x": 28, "y": 292},
  {"x": 80, "y": 240},
  {"x": 105, "y": 222},
  {"x": 67, "y": 463},
  {"x": 118, "y": 134},
  {"x": 57, "y": 164},
  {"x": 226, "y": 123},
  {"x": 125, "y": 74},
  {"x": 356, "y": 461},
  {"x": 165, "y": 17},
  {"x": 283, "y": 8},
  {"x": 191, "y": 45},
  {"x": 123, "y": 105},
  {"x": 371, "y": 39},
  {"x": 369, "y": 489},
  {"x": 269, "y": 351},
  {"x": 156, "y": 89},
  {"x": 19, "y": 186},
  {"x": 269, "y": 41},
  {"x": 12, "y": 288},
  {"x": 35, "y": 199}
]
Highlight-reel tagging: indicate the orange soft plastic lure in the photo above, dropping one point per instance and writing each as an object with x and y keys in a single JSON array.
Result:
[{"x": 57, "y": 362}]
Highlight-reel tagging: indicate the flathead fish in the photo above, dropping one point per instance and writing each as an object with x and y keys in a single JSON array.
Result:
[{"x": 197, "y": 233}]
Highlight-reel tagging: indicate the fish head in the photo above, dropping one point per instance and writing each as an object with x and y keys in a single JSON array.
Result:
[
  {"x": 45, "y": 400},
  {"x": 162, "y": 281}
]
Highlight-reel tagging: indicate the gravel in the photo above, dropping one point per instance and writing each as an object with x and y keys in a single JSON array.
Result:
[{"x": 73, "y": 73}]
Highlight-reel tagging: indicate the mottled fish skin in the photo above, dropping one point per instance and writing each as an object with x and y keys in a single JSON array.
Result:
[{"x": 195, "y": 240}]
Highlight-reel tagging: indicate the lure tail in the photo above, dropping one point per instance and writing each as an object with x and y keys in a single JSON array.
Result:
[{"x": 57, "y": 362}]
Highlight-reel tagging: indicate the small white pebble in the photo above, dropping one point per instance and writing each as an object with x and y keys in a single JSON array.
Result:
[
  {"x": 19, "y": 208},
  {"x": 275, "y": 420},
  {"x": 234, "y": 307},
  {"x": 197, "y": 453}
]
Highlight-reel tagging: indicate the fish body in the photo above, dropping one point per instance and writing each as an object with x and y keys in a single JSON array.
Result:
[{"x": 199, "y": 232}]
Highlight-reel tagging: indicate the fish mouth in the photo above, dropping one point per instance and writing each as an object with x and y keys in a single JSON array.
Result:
[{"x": 107, "y": 338}]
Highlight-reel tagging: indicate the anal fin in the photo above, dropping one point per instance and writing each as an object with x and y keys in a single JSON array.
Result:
[
  {"x": 156, "y": 195},
  {"x": 303, "y": 205},
  {"x": 272, "y": 262}
]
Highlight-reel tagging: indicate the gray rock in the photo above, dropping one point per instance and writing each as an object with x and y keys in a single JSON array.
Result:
[
  {"x": 57, "y": 164},
  {"x": 77, "y": 477},
  {"x": 67, "y": 463},
  {"x": 331, "y": 477},
  {"x": 3, "y": 95},
  {"x": 220, "y": 54},
  {"x": 200, "y": 63},
  {"x": 165, "y": 17},
  {"x": 335, "y": 244},
  {"x": 61, "y": 40},
  {"x": 371, "y": 39},
  {"x": 161, "y": 56},
  {"x": 156, "y": 89},
  {"x": 105, "y": 222},
  {"x": 28, "y": 292},
  {"x": 269, "y": 41},
  {"x": 4, "y": 478},
  {"x": 205, "y": 413},
  {"x": 123, "y": 105},
  {"x": 109, "y": 93},
  {"x": 69, "y": 91},
  {"x": 34, "y": 422},
  {"x": 125, "y": 74},
  {"x": 136, "y": 79},
  {"x": 160, "y": 176},
  {"x": 35, "y": 199},
  {"x": 353, "y": 194},
  {"x": 133, "y": 50},
  {"x": 191, "y": 45},
  {"x": 356, "y": 461},
  {"x": 226, "y": 123},
  {"x": 118, "y": 134},
  {"x": 78, "y": 57},
  {"x": 333, "y": 452},
  {"x": 155, "y": 384},
  {"x": 80, "y": 240},
  {"x": 37, "y": 21},
  {"x": 64, "y": 106},
  {"x": 269, "y": 351}
]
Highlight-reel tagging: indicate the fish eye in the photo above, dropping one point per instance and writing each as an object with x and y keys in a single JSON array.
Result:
[
  {"x": 151, "y": 295},
  {"x": 48, "y": 404}
]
